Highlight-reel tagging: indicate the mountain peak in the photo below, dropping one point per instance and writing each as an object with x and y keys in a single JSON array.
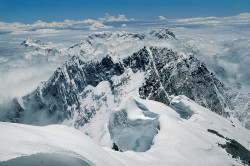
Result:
[
  {"x": 123, "y": 44},
  {"x": 162, "y": 33},
  {"x": 33, "y": 43}
]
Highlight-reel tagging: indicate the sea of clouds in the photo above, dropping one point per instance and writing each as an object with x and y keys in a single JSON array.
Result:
[{"x": 223, "y": 44}]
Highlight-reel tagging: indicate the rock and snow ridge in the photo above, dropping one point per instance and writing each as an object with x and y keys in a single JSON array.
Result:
[
  {"x": 178, "y": 142},
  {"x": 164, "y": 73},
  {"x": 24, "y": 140},
  {"x": 91, "y": 90}
]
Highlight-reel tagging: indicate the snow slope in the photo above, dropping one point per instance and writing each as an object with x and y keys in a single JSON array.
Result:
[
  {"x": 24, "y": 140},
  {"x": 187, "y": 142},
  {"x": 178, "y": 142}
]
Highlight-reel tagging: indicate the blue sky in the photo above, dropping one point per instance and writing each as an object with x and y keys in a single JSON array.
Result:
[{"x": 29, "y": 11}]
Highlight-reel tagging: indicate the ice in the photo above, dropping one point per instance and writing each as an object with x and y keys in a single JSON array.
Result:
[
  {"x": 183, "y": 110},
  {"x": 133, "y": 127}
]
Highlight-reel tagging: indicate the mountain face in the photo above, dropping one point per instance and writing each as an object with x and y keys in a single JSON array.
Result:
[
  {"x": 83, "y": 86},
  {"x": 126, "y": 91}
]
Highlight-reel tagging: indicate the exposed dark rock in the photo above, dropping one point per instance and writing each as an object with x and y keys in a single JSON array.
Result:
[
  {"x": 234, "y": 148},
  {"x": 16, "y": 112},
  {"x": 162, "y": 33},
  {"x": 28, "y": 42},
  {"x": 215, "y": 132},
  {"x": 115, "y": 147},
  {"x": 237, "y": 151},
  {"x": 183, "y": 76}
]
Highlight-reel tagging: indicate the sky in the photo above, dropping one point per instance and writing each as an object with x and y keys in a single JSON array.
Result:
[{"x": 29, "y": 11}]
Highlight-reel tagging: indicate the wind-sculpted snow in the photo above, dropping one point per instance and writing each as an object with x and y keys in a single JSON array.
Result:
[{"x": 49, "y": 144}]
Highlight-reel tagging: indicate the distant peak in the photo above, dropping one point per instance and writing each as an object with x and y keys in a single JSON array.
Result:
[
  {"x": 162, "y": 33},
  {"x": 159, "y": 33},
  {"x": 32, "y": 43}
]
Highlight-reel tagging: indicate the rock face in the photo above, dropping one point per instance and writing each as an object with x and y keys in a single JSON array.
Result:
[
  {"x": 177, "y": 75},
  {"x": 165, "y": 73},
  {"x": 59, "y": 96}
]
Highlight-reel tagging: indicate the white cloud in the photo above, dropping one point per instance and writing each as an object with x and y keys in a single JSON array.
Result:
[
  {"x": 20, "y": 28},
  {"x": 162, "y": 18},
  {"x": 98, "y": 25},
  {"x": 66, "y": 24},
  {"x": 123, "y": 25},
  {"x": 18, "y": 81},
  {"x": 238, "y": 19},
  {"x": 109, "y": 18}
]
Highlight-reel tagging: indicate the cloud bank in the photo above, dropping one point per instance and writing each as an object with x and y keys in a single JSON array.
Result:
[
  {"x": 109, "y": 18},
  {"x": 90, "y": 24},
  {"x": 223, "y": 44}
]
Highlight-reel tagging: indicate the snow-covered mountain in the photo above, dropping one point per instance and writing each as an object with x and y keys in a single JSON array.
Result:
[
  {"x": 40, "y": 51},
  {"x": 123, "y": 44},
  {"x": 117, "y": 89},
  {"x": 204, "y": 139}
]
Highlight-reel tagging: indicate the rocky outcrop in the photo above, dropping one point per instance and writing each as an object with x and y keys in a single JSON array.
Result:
[{"x": 178, "y": 75}]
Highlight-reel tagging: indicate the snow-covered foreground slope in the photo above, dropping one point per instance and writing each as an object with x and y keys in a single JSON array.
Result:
[
  {"x": 24, "y": 140},
  {"x": 197, "y": 140}
]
